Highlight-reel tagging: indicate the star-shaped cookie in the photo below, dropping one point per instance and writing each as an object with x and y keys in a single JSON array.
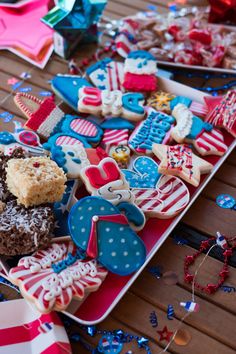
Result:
[{"x": 179, "y": 160}]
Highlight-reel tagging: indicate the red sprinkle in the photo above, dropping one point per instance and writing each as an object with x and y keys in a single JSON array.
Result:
[{"x": 36, "y": 164}]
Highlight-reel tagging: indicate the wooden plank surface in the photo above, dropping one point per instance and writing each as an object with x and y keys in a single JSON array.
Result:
[{"x": 212, "y": 329}]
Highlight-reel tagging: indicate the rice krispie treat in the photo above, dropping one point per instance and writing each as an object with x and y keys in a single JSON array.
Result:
[{"x": 35, "y": 180}]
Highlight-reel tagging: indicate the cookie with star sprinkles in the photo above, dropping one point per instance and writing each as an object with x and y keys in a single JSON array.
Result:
[
  {"x": 180, "y": 161},
  {"x": 160, "y": 101}
]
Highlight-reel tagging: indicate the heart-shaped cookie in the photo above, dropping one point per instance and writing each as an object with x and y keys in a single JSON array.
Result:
[
  {"x": 99, "y": 228},
  {"x": 144, "y": 174}
]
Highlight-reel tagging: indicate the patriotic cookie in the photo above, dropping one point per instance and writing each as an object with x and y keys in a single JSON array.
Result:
[
  {"x": 107, "y": 181},
  {"x": 116, "y": 132},
  {"x": 102, "y": 230},
  {"x": 125, "y": 38},
  {"x": 222, "y": 112},
  {"x": 155, "y": 128},
  {"x": 189, "y": 128},
  {"x": 43, "y": 116},
  {"x": 51, "y": 278},
  {"x": 67, "y": 87},
  {"x": 97, "y": 102},
  {"x": 27, "y": 140},
  {"x": 140, "y": 72},
  {"x": 160, "y": 101},
  {"x": 169, "y": 197},
  {"x": 179, "y": 160},
  {"x": 197, "y": 108},
  {"x": 121, "y": 154},
  {"x": 107, "y": 74}
]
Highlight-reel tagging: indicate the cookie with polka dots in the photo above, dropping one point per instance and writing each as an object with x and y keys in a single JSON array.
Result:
[{"x": 102, "y": 230}]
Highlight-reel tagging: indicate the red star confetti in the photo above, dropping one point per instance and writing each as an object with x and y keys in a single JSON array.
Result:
[{"x": 165, "y": 334}]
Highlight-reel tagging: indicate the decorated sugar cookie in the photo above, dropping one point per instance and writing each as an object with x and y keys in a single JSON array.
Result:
[
  {"x": 144, "y": 173},
  {"x": 160, "y": 101},
  {"x": 140, "y": 72},
  {"x": 51, "y": 278},
  {"x": 222, "y": 112},
  {"x": 189, "y": 128},
  {"x": 116, "y": 132},
  {"x": 107, "y": 74},
  {"x": 155, "y": 128},
  {"x": 125, "y": 38},
  {"x": 121, "y": 154},
  {"x": 85, "y": 128},
  {"x": 107, "y": 181},
  {"x": 43, "y": 116},
  {"x": 179, "y": 160},
  {"x": 97, "y": 102},
  {"x": 103, "y": 231},
  {"x": 197, "y": 108},
  {"x": 21, "y": 138},
  {"x": 67, "y": 87},
  {"x": 169, "y": 197}
]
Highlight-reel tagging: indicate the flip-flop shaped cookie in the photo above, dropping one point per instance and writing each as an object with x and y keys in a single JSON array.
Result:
[
  {"x": 99, "y": 228},
  {"x": 165, "y": 201}
]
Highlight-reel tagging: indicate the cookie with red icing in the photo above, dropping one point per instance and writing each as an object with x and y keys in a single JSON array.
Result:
[{"x": 52, "y": 277}]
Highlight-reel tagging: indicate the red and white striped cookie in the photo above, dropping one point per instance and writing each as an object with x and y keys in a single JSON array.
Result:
[{"x": 165, "y": 201}]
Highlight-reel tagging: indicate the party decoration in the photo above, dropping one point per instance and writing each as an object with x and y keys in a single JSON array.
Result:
[
  {"x": 228, "y": 288},
  {"x": 153, "y": 319},
  {"x": 222, "y": 111},
  {"x": 190, "y": 128},
  {"x": 12, "y": 81},
  {"x": 190, "y": 306},
  {"x": 156, "y": 271},
  {"x": 67, "y": 87},
  {"x": 33, "y": 332},
  {"x": 27, "y": 140},
  {"x": 93, "y": 222},
  {"x": 109, "y": 344},
  {"x": 106, "y": 74},
  {"x": 97, "y": 102},
  {"x": 155, "y": 128},
  {"x": 52, "y": 277},
  {"x": 208, "y": 245},
  {"x": 17, "y": 36},
  {"x": 165, "y": 335},
  {"x": 43, "y": 116},
  {"x": 226, "y": 201},
  {"x": 140, "y": 71},
  {"x": 170, "y": 312},
  {"x": 179, "y": 160},
  {"x": 221, "y": 241}
]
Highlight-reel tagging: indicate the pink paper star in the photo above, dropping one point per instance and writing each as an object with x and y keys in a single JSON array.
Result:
[
  {"x": 21, "y": 30},
  {"x": 12, "y": 81}
]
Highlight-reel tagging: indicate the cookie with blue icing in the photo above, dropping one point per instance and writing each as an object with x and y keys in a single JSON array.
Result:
[
  {"x": 100, "y": 229},
  {"x": 180, "y": 99},
  {"x": 156, "y": 128},
  {"x": 117, "y": 123},
  {"x": 144, "y": 173},
  {"x": 83, "y": 127},
  {"x": 107, "y": 74},
  {"x": 67, "y": 86}
]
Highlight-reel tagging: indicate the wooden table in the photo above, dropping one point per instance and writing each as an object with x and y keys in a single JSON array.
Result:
[{"x": 212, "y": 329}]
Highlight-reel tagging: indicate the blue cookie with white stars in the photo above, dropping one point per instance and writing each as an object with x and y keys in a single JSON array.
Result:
[
  {"x": 100, "y": 229},
  {"x": 144, "y": 174}
]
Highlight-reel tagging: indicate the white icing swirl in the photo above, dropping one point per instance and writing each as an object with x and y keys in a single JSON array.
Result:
[{"x": 184, "y": 119}]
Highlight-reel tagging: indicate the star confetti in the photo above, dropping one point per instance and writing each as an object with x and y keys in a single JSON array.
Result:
[{"x": 165, "y": 334}]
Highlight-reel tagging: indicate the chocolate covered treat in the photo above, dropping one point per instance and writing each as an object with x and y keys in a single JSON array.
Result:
[
  {"x": 24, "y": 230},
  {"x": 35, "y": 180}
]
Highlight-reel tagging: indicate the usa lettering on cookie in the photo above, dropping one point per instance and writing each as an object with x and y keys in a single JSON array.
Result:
[
  {"x": 107, "y": 74},
  {"x": 102, "y": 230},
  {"x": 140, "y": 72},
  {"x": 97, "y": 102},
  {"x": 222, "y": 112},
  {"x": 179, "y": 160},
  {"x": 189, "y": 128},
  {"x": 169, "y": 197},
  {"x": 156, "y": 128},
  {"x": 52, "y": 277},
  {"x": 107, "y": 180}
]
